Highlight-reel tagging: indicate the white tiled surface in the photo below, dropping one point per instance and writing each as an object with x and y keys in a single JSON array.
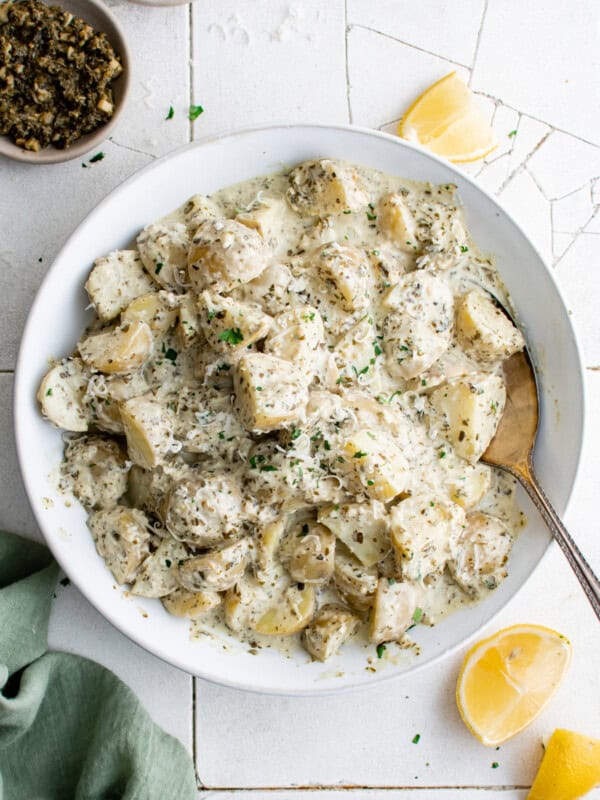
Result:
[{"x": 535, "y": 68}]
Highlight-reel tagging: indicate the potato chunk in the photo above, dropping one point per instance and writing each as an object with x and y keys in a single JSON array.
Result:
[
  {"x": 158, "y": 574},
  {"x": 96, "y": 471},
  {"x": 188, "y": 321},
  {"x": 355, "y": 583},
  {"x": 311, "y": 556},
  {"x": 230, "y": 325},
  {"x": 104, "y": 395},
  {"x": 291, "y": 614},
  {"x": 225, "y": 254},
  {"x": 61, "y": 395},
  {"x": 326, "y": 187},
  {"x": 204, "y": 510},
  {"x": 467, "y": 484},
  {"x": 157, "y": 309},
  {"x": 484, "y": 330},
  {"x": 191, "y": 605},
  {"x": 148, "y": 426},
  {"x": 270, "y": 392},
  {"x": 330, "y": 628},
  {"x": 419, "y": 330},
  {"x": 163, "y": 250},
  {"x": 362, "y": 527},
  {"x": 423, "y": 530},
  {"x": 480, "y": 554},
  {"x": 215, "y": 571},
  {"x": 116, "y": 280},
  {"x": 396, "y": 222},
  {"x": 467, "y": 411},
  {"x": 346, "y": 274},
  {"x": 121, "y": 536},
  {"x": 244, "y": 603},
  {"x": 379, "y": 464},
  {"x": 119, "y": 350},
  {"x": 393, "y": 611},
  {"x": 295, "y": 335}
]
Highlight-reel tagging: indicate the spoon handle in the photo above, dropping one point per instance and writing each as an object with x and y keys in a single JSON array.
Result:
[{"x": 585, "y": 574}]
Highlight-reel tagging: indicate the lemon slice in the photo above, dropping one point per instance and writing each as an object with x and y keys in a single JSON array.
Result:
[
  {"x": 506, "y": 680},
  {"x": 570, "y": 767},
  {"x": 447, "y": 120}
]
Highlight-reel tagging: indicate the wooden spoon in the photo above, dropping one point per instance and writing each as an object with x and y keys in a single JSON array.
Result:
[{"x": 512, "y": 448}]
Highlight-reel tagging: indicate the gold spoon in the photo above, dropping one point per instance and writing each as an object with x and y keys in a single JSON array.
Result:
[{"x": 512, "y": 448}]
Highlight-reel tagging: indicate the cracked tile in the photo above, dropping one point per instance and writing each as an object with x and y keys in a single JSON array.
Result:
[
  {"x": 386, "y": 76},
  {"x": 285, "y": 64},
  {"x": 560, "y": 242},
  {"x": 530, "y": 133},
  {"x": 506, "y": 120},
  {"x": 424, "y": 24},
  {"x": 578, "y": 273},
  {"x": 563, "y": 164},
  {"x": 530, "y": 208},
  {"x": 571, "y": 213},
  {"x": 494, "y": 173},
  {"x": 593, "y": 225},
  {"x": 543, "y": 58}
]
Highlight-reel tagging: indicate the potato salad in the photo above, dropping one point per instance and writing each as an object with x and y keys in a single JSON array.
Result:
[{"x": 277, "y": 415}]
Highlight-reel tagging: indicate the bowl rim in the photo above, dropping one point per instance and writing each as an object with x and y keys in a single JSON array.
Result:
[
  {"x": 89, "y": 141},
  {"x": 20, "y": 391}
]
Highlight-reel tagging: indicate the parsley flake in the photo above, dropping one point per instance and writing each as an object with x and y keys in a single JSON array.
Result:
[
  {"x": 296, "y": 433},
  {"x": 195, "y": 112},
  {"x": 97, "y": 157},
  {"x": 495, "y": 765},
  {"x": 417, "y": 614},
  {"x": 464, "y": 248},
  {"x": 49, "y": 393},
  {"x": 171, "y": 355},
  {"x": 231, "y": 336},
  {"x": 381, "y": 648},
  {"x": 416, "y": 738},
  {"x": 159, "y": 266},
  {"x": 359, "y": 454},
  {"x": 512, "y": 134},
  {"x": 170, "y": 113}
]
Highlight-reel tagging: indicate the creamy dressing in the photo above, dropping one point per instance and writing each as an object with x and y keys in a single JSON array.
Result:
[{"x": 307, "y": 361}]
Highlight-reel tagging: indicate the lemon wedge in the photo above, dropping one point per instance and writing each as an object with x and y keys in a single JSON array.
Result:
[
  {"x": 570, "y": 767},
  {"x": 447, "y": 120},
  {"x": 506, "y": 680}
]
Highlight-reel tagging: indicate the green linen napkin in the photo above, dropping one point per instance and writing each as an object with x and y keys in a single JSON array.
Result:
[{"x": 69, "y": 728}]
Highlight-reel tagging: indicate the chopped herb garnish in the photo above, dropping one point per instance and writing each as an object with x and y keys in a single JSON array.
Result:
[
  {"x": 495, "y": 765},
  {"x": 347, "y": 211},
  {"x": 377, "y": 349},
  {"x": 359, "y": 454},
  {"x": 511, "y": 134},
  {"x": 253, "y": 462},
  {"x": 464, "y": 248},
  {"x": 371, "y": 216},
  {"x": 417, "y": 614},
  {"x": 97, "y": 157},
  {"x": 168, "y": 562},
  {"x": 381, "y": 648},
  {"x": 326, "y": 445},
  {"x": 49, "y": 393},
  {"x": 376, "y": 252},
  {"x": 170, "y": 113},
  {"x": 221, "y": 435},
  {"x": 159, "y": 266},
  {"x": 171, "y": 355},
  {"x": 423, "y": 382},
  {"x": 442, "y": 454},
  {"x": 258, "y": 388},
  {"x": 231, "y": 336},
  {"x": 195, "y": 112},
  {"x": 296, "y": 433},
  {"x": 268, "y": 468},
  {"x": 416, "y": 738},
  {"x": 370, "y": 483}
]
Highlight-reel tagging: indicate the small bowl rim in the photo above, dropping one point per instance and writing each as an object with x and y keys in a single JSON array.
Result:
[{"x": 87, "y": 142}]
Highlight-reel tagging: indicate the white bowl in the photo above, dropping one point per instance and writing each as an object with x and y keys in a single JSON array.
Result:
[{"x": 57, "y": 317}]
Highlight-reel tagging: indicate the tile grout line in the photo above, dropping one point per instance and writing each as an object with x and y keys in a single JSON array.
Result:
[
  {"x": 478, "y": 41},
  {"x": 194, "y": 742},
  {"x": 361, "y": 788},
  {"x": 411, "y": 46},
  {"x": 346, "y": 32}
]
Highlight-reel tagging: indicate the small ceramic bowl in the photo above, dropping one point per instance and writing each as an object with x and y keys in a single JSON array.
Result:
[{"x": 101, "y": 19}]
